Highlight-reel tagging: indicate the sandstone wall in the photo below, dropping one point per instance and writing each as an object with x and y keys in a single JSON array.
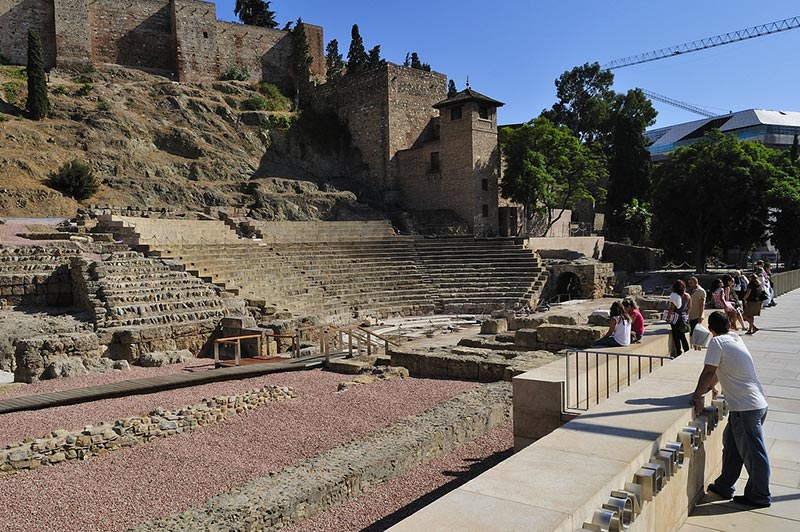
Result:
[
  {"x": 73, "y": 32},
  {"x": 195, "y": 35},
  {"x": 16, "y": 17},
  {"x": 50, "y": 356}
]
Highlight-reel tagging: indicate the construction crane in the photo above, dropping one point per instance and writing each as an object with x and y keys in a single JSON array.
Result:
[
  {"x": 679, "y": 104},
  {"x": 708, "y": 42}
]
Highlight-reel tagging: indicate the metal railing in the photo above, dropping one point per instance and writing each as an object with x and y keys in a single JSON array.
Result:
[
  {"x": 593, "y": 375},
  {"x": 785, "y": 282}
]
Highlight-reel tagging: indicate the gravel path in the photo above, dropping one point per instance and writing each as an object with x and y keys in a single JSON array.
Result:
[
  {"x": 123, "y": 488},
  {"x": 393, "y": 501}
]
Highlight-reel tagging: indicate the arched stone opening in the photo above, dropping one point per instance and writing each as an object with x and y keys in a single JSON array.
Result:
[{"x": 569, "y": 283}]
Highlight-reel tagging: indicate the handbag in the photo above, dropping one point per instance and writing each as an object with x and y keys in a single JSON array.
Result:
[{"x": 763, "y": 296}]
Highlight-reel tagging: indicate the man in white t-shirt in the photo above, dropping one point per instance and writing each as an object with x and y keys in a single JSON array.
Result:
[{"x": 729, "y": 362}]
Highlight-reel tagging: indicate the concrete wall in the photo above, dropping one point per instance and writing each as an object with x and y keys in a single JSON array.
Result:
[{"x": 16, "y": 17}]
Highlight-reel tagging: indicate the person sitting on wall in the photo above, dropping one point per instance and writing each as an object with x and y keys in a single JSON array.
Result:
[
  {"x": 637, "y": 320},
  {"x": 619, "y": 331}
]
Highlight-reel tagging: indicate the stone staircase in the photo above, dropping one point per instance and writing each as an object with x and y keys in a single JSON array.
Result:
[
  {"x": 341, "y": 271},
  {"x": 478, "y": 276}
]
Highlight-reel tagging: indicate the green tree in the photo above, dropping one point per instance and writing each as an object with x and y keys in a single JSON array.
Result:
[
  {"x": 712, "y": 194},
  {"x": 638, "y": 220},
  {"x": 357, "y": 58},
  {"x": 628, "y": 160},
  {"x": 374, "y": 57},
  {"x": 333, "y": 60},
  {"x": 414, "y": 62},
  {"x": 301, "y": 61},
  {"x": 547, "y": 170},
  {"x": 451, "y": 89},
  {"x": 795, "y": 151},
  {"x": 784, "y": 202},
  {"x": 255, "y": 13},
  {"x": 38, "y": 105},
  {"x": 585, "y": 100}
]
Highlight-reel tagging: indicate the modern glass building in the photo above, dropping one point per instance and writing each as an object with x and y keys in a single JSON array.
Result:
[{"x": 775, "y": 129}]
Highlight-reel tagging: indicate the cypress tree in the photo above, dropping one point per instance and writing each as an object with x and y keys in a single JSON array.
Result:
[
  {"x": 357, "y": 58},
  {"x": 451, "y": 89},
  {"x": 255, "y": 13},
  {"x": 795, "y": 151},
  {"x": 38, "y": 104},
  {"x": 301, "y": 61},
  {"x": 374, "y": 57},
  {"x": 333, "y": 60}
]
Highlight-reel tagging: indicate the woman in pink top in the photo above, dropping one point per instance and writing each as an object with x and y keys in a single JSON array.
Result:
[{"x": 637, "y": 320}]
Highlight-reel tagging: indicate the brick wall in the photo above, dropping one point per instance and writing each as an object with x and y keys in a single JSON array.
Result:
[
  {"x": 140, "y": 37},
  {"x": 16, "y": 17}
]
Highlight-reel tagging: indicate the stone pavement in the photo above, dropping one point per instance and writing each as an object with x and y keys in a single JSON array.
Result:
[{"x": 776, "y": 351}]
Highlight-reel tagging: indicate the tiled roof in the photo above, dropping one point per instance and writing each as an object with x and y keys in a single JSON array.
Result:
[{"x": 467, "y": 95}]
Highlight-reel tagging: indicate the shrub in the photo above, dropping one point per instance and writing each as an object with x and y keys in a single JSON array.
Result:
[
  {"x": 257, "y": 103},
  {"x": 279, "y": 102},
  {"x": 85, "y": 89},
  {"x": 83, "y": 79},
  {"x": 104, "y": 106},
  {"x": 13, "y": 91},
  {"x": 60, "y": 89},
  {"x": 280, "y": 122},
  {"x": 235, "y": 73},
  {"x": 14, "y": 72},
  {"x": 75, "y": 179}
]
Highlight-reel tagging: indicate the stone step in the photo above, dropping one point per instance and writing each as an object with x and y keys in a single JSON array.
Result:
[{"x": 168, "y": 319}]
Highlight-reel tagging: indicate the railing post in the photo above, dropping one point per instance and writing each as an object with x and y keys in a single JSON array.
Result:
[
  {"x": 369, "y": 344},
  {"x": 326, "y": 348},
  {"x": 216, "y": 352},
  {"x": 238, "y": 351},
  {"x": 297, "y": 339},
  {"x": 350, "y": 344}
]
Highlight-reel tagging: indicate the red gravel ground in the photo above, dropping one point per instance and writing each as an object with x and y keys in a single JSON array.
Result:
[
  {"x": 393, "y": 501},
  {"x": 123, "y": 488}
]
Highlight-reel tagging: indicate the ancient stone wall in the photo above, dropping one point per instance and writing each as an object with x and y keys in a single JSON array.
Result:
[
  {"x": 632, "y": 258},
  {"x": 141, "y": 37},
  {"x": 56, "y": 355},
  {"x": 194, "y": 27},
  {"x": 180, "y": 38},
  {"x": 16, "y": 17},
  {"x": 36, "y": 276},
  {"x": 73, "y": 32},
  {"x": 386, "y": 110},
  {"x": 97, "y": 440}
]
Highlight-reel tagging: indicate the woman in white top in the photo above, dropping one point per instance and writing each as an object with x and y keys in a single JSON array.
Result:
[
  {"x": 619, "y": 331},
  {"x": 678, "y": 316}
]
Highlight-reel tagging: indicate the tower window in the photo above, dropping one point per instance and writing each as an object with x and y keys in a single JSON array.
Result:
[
  {"x": 456, "y": 113},
  {"x": 484, "y": 184},
  {"x": 485, "y": 210},
  {"x": 483, "y": 112},
  {"x": 205, "y": 35}
]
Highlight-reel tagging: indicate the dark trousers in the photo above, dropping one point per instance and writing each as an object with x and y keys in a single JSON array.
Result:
[
  {"x": 679, "y": 337},
  {"x": 693, "y": 324}
]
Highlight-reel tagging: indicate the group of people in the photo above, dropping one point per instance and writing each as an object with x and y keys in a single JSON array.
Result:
[
  {"x": 626, "y": 327},
  {"x": 741, "y": 298}
]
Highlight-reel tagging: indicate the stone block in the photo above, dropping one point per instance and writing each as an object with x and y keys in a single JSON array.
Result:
[
  {"x": 599, "y": 318},
  {"x": 463, "y": 368},
  {"x": 562, "y": 319},
  {"x": 351, "y": 366},
  {"x": 632, "y": 290},
  {"x": 494, "y": 326},
  {"x": 569, "y": 335},
  {"x": 66, "y": 367},
  {"x": 526, "y": 322},
  {"x": 505, "y": 337},
  {"x": 526, "y": 338},
  {"x": 161, "y": 358},
  {"x": 652, "y": 303}
]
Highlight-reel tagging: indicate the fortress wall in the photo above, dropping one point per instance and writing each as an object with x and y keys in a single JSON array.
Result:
[
  {"x": 195, "y": 34},
  {"x": 73, "y": 27},
  {"x": 140, "y": 37},
  {"x": 265, "y": 52},
  {"x": 16, "y": 17}
]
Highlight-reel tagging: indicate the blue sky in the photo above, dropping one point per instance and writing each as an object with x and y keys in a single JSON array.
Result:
[{"x": 513, "y": 50}]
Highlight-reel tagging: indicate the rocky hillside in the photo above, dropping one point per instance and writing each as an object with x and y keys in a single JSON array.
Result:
[{"x": 155, "y": 143}]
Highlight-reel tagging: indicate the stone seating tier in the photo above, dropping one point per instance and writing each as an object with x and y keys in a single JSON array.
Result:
[{"x": 321, "y": 231}]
